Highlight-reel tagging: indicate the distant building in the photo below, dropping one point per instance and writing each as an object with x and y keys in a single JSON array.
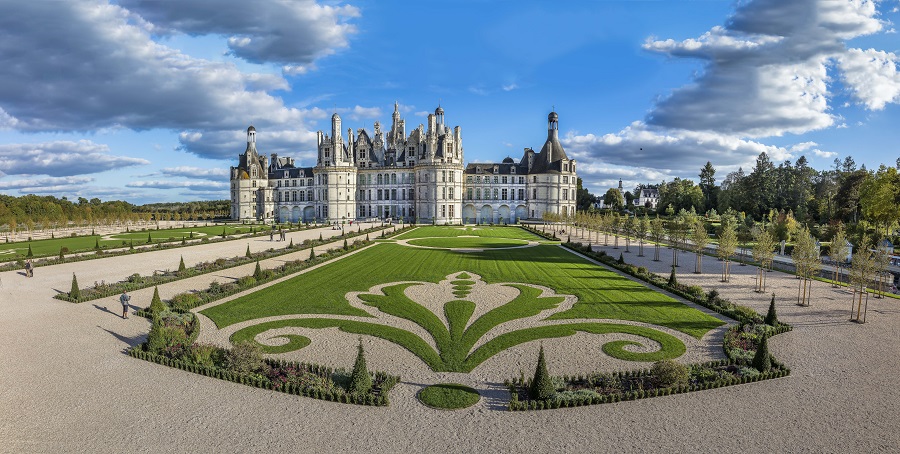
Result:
[
  {"x": 419, "y": 176},
  {"x": 647, "y": 197}
]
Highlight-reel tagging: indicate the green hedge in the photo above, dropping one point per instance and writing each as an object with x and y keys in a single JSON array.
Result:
[{"x": 136, "y": 281}]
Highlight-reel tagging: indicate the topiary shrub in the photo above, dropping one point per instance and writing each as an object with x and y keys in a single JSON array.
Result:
[
  {"x": 244, "y": 358},
  {"x": 97, "y": 244},
  {"x": 156, "y": 303},
  {"x": 181, "y": 266},
  {"x": 762, "y": 361},
  {"x": 771, "y": 316},
  {"x": 247, "y": 254},
  {"x": 75, "y": 292},
  {"x": 673, "y": 281},
  {"x": 257, "y": 273},
  {"x": 29, "y": 254},
  {"x": 185, "y": 301},
  {"x": 621, "y": 260},
  {"x": 345, "y": 244},
  {"x": 360, "y": 380},
  {"x": 542, "y": 384},
  {"x": 667, "y": 373},
  {"x": 312, "y": 254}
]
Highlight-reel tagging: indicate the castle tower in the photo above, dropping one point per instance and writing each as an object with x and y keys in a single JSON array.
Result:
[
  {"x": 552, "y": 181},
  {"x": 335, "y": 177},
  {"x": 439, "y": 176},
  {"x": 251, "y": 196}
]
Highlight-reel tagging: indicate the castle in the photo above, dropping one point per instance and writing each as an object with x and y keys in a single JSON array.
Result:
[{"x": 418, "y": 177}]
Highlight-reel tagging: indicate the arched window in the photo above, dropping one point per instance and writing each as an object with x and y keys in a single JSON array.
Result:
[
  {"x": 380, "y": 179},
  {"x": 393, "y": 178}
]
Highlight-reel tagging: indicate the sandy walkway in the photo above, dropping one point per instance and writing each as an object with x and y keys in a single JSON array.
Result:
[{"x": 65, "y": 386}]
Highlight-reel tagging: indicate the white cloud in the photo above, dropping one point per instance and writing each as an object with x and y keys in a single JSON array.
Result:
[
  {"x": 61, "y": 158},
  {"x": 824, "y": 154},
  {"x": 358, "y": 112},
  {"x": 166, "y": 184},
  {"x": 289, "y": 33},
  {"x": 872, "y": 76},
  {"x": 510, "y": 87},
  {"x": 196, "y": 172}
]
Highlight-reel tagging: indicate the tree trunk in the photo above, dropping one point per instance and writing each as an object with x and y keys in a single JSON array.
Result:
[
  {"x": 641, "y": 248},
  {"x": 656, "y": 253}
]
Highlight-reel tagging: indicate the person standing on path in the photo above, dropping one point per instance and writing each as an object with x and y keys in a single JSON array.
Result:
[
  {"x": 124, "y": 300},
  {"x": 271, "y": 235},
  {"x": 29, "y": 268}
]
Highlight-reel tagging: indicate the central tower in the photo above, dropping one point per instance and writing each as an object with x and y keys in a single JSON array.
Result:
[
  {"x": 439, "y": 170},
  {"x": 335, "y": 175}
]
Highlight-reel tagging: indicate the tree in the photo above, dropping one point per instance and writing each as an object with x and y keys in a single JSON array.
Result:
[
  {"x": 807, "y": 263},
  {"x": 542, "y": 384},
  {"x": 75, "y": 292},
  {"x": 29, "y": 254},
  {"x": 708, "y": 183},
  {"x": 657, "y": 232},
  {"x": 861, "y": 271},
  {"x": 312, "y": 254},
  {"x": 763, "y": 253},
  {"x": 628, "y": 227},
  {"x": 640, "y": 231},
  {"x": 181, "y": 266},
  {"x": 584, "y": 200},
  {"x": 727, "y": 245},
  {"x": 257, "y": 272},
  {"x": 771, "y": 316},
  {"x": 360, "y": 380},
  {"x": 248, "y": 254},
  {"x": 156, "y": 303},
  {"x": 762, "y": 361},
  {"x": 673, "y": 280},
  {"x": 616, "y": 227},
  {"x": 879, "y": 197},
  {"x": 838, "y": 253},
  {"x": 699, "y": 239},
  {"x": 613, "y": 199}
]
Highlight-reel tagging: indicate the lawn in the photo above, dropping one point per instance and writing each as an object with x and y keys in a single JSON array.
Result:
[
  {"x": 51, "y": 247},
  {"x": 514, "y": 233},
  {"x": 466, "y": 242},
  {"x": 602, "y": 294}
]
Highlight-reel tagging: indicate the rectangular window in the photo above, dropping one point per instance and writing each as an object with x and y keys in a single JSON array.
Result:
[
  {"x": 468, "y": 193},
  {"x": 379, "y": 194},
  {"x": 452, "y": 214},
  {"x": 444, "y": 192},
  {"x": 443, "y": 211},
  {"x": 534, "y": 179},
  {"x": 534, "y": 194},
  {"x": 496, "y": 179},
  {"x": 393, "y": 194},
  {"x": 565, "y": 180},
  {"x": 521, "y": 194},
  {"x": 521, "y": 180},
  {"x": 504, "y": 195},
  {"x": 450, "y": 193},
  {"x": 503, "y": 180},
  {"x": 565, "y": 194},
  {"x": 443, "y": 176}
]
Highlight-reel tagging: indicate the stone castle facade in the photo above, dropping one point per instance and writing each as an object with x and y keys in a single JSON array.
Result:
[{"x": 419, "y": 177}]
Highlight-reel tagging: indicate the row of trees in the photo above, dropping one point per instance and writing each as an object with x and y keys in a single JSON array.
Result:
[{"x": 33, "y": 212}]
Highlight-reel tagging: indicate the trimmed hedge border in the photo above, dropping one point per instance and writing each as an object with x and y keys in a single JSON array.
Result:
[
  {"x": 378, "y": 400},
  {"x": 87, "y": 255},
  {"x": 740, "y": 313},
  {"x": 217, "y": 291},
  {"x": 203, "y": 268},
  {"x": 551, "y": 236}
]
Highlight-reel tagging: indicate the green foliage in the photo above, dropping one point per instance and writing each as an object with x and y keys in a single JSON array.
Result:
[
  {"x": 360, "y": 380},
  {"x": 771, "y": 317},
  {"x": 185, "y": 301},
  {"x": 244, "y": 358},
  {"x": 97, "y": 244},
  {"x": 312, "y": 254},
  {"x": 156, "y": 304},
  {"x": 257, "y": 273},
  {"x": 762, "y": 361},
  {"x": 62, "y": 253},
  {"x": 149, "y": 238},
  {"x": 673, "y": 280},
  {"x": 542, "y": 387},
  {"x": 448, "y": 396},
  {"x": 30, "y": 253},
  {"x": 75, "y": 292},
  {"x": 621, "y": 260},
  {"x": 345, "y": 244},
  {"x": 181, "y": 266},
  {"x": 248, "y": 254},
  {"x": 667, "y": 373},
  {"x": 320, "y": 237}
]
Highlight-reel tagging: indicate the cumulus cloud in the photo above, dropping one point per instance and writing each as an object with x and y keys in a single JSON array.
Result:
[
  {"x": 61, "y": 158},
  {"x": 767, "y": 68},
  {"x": 289, "y": 33},
  {"x": 872, "y": 76},
  {"x": 301, "y": 144},
  {"x": 359, "y": 112}
]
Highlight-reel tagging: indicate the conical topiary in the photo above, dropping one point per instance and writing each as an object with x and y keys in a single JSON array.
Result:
[
  {"x": 345, "y": 244},
  {"x": 29, "y": 254},
  {"x": 367, "y": 237},
  {"x": 360, "y": 380},
  {"x": 621, "y": 260},
  {"x": 762, "y": 361},
  {"x": 156, "y": 303},
  {"x": 257, "y": 273},
  {"x": 672, "y": 280},
  {"x": 75, "y": 292},
  {"x": 149, "y": 238},
  {"x": 131, "y": 245},
  {"x": 312, "y": 253},
  {"x": 156, "y": 341},
  {"x": 771, "y": 317},
  {"x": 247, "y": 254},
  {"x": 320, "y": 237},
  {"x": 291, "y": 244},
  {"x": 97, "y": 244},
  {"x": 542, "y": 385},
  {"x": 223, "y": 232},
  {"x": 182, "y": 240},
  {"x": 62, "y": 254},
  {"x": 181, "y": 266}
]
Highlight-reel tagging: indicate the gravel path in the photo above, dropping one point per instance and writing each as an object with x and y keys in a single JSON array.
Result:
[{"x": 65, "y": 385}]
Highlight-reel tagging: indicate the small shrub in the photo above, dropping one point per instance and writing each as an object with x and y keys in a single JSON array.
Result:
[
  {"x": 247, "y": 254},
  {"x": 762, "y": 361},
  {"x": 542, "y": 384},
  {"x": 181, "y": 266},
  {"x": 156, "y": 304},
  {"x": 257, "y": 273},
  {"x": 667, "y": 373},
  {"x": 360, "y": 380},
  {"x": 75, "y": 292},
  {"x": 673, "y": 281},
  {"x": 244, "y": 358},
  {"x": 621, "y": 260},
  {"x": 771, "y": 316},
  {"x": 185, "y": 301}
]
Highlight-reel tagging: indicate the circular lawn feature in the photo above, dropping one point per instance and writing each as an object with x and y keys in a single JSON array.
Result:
[
  {"x": 468, "y": 242},
  {"x": 448, "y": 396}
]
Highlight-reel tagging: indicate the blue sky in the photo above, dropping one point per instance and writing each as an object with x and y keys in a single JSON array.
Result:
[{"x": 148, "y": 101}]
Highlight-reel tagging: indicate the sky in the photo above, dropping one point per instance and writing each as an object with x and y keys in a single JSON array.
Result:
[{"x": 149, "y": 101}]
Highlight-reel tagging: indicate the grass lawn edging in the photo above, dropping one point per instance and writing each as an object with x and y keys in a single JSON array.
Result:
[
  {"x": 548, "y": 236},
  {"x": 740, "y": 343},
  {"x": 137, "y": 282}
]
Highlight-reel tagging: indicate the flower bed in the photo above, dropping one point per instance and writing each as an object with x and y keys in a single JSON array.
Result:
[
  {"x": 136, "y": 281},
  {"x": 741, "y": 345},
  {"x": 171, "y": 342},
  {"x": 550, "y": 236}
]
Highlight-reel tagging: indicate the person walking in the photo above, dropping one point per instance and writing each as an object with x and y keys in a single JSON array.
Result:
[
  {"x": 29, "y": 268},
  {"x": 124, "y": 299},
  {"x": 271, "y": 235}
]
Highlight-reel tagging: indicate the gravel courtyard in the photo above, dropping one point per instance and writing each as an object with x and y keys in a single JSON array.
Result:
[{"x": 66, "y": 386}]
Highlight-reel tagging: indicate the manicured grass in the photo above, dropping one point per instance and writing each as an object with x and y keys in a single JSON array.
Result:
[
  {"x": 462, "y": 243},
  {"x": 601, "y": 293},
  {"x": 51, "y": 247},
  {"x": 449, "y": 396},
  {"x": 515, "y": 233}
]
